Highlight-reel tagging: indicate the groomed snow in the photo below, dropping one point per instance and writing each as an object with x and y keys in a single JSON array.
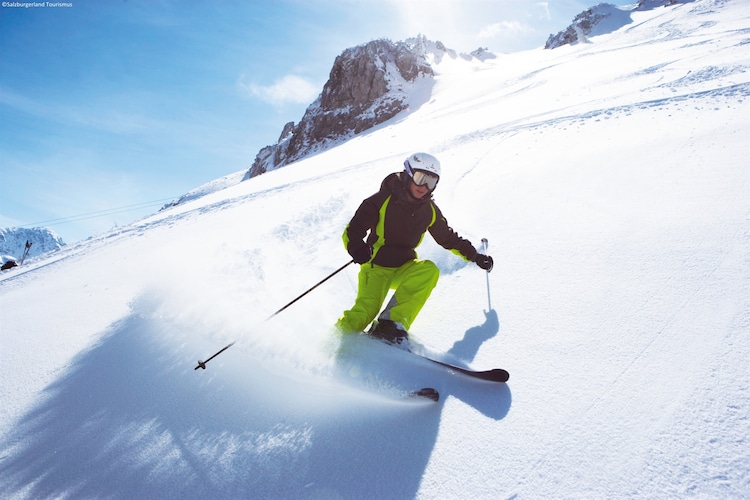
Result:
[{"x": 611, "y": 179}]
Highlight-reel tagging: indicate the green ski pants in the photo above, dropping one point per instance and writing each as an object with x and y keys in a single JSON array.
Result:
[{"x": 413, "y": 282}]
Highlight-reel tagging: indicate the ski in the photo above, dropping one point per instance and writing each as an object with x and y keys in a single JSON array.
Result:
[
  {"x": 493, "y": 375},
  {"x": 426, "y": 393}
]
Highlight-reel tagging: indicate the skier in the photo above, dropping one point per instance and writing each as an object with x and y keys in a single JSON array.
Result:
[{"x": 396, "y": 218}]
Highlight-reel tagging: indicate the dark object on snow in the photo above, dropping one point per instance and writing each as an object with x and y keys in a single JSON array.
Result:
[
  {"x": 389, "y": 331},
  {"x": 8, "y": 262}
]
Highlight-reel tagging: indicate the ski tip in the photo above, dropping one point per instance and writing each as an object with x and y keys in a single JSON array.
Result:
[
  {"x": 502, "y": 375},
  {"x": 498, "y": 375},
  {"x": 494, "y": 375},
  {"x": 426, "y": 393}
]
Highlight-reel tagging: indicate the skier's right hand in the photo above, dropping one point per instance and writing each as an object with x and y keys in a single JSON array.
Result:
[
  {"x": 484, "y": 261},
  {"x": 361, "y": 253}
]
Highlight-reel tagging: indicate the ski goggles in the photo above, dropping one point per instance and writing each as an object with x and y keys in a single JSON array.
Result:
[{"x": 422, "y": 178}]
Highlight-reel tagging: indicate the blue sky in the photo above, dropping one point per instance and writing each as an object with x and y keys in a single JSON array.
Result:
[{"x": 109, "y": 109}]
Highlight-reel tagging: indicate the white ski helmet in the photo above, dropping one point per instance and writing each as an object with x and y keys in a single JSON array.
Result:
[{"x": 425, "y": 164}]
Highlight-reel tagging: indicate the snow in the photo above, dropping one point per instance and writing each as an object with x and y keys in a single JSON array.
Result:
[{"x": 611, "y": 181}]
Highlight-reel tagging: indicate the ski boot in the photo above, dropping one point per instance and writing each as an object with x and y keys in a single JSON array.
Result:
[{"x": 390, "y": 332}]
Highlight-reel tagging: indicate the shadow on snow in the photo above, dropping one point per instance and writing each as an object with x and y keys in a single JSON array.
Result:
[{"x": 130, "y": 418}]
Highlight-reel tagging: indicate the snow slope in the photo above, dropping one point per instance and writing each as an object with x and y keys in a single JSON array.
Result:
[{"x": 611, "y": 179}]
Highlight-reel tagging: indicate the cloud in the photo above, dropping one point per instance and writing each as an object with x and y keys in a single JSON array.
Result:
[
  {"x": 504, "y": 28},
  {"x": 543, "y": 8},
  {"x": 290, "y": 88}
]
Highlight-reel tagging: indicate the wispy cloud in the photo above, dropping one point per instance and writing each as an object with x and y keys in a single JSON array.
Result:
[
  {"x": 98, "y": 113},
  {"x": 504, "y": 28},
  {"x": 290, "y": 88},
  {"x": 543, "y": 9}
]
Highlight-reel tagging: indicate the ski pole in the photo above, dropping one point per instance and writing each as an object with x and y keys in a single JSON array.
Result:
[
  {"x": 485, "y": 245},
  {"x": 26, "y": 251},
  {"x": 202, "y": 364}
]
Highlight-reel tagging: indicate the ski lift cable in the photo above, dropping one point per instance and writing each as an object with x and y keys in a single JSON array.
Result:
[{"x": 99, "y": 213}]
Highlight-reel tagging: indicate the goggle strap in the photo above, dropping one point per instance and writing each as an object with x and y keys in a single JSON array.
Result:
[{"x": 407, "y": 167}]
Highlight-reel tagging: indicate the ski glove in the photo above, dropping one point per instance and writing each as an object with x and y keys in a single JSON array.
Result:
[
  {"x": 484, "y": 261},
  {"x": 361, "y": 253}
]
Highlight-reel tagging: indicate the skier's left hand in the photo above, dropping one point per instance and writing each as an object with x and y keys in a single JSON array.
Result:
[{"x": 484, "y": 261}]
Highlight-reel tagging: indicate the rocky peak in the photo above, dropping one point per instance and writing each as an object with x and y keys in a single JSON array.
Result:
[
  {"x": 361, "y": 75},
  {"x": 589, "y": 23},
  {"x": 652, "y": 4},
  {"x": 368, "y": 85},
  {"x": 601, "y": 19}
]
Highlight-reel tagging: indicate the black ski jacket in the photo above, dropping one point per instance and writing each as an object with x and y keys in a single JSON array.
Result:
[{"x": 397, "y": 223}]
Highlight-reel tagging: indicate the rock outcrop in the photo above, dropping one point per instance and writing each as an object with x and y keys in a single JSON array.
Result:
[{"x": 368, "y": 85}]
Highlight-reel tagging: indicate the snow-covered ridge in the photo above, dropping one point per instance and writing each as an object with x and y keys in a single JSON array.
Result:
[
  {"x": 601, "y": 19},
  {"x": 207, "y": 188}
]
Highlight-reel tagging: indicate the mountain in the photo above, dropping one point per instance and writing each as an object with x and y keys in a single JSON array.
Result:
[
  {"x": 611, "y": 181},
  {"x": 602, "y": 19},
  {"x": 368, "y": 85},
  {"x": 13, "y": 241}
]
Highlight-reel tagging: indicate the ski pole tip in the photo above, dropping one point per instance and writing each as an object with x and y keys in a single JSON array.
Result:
[{"x": 201, "y": 364}]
